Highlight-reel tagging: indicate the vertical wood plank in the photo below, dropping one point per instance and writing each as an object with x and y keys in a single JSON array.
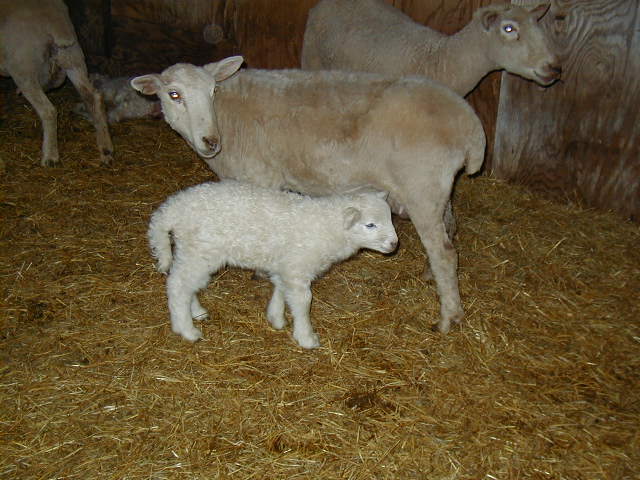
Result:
[{"x": 579, "y": 139}]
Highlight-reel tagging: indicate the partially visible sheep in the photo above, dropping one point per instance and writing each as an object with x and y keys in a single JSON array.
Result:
[
  {"x": 39, "y": 49},
  {"x": 121, "y": 101},
  {"x": 293, "y": 238},
  {"x": 373, "y": 36}
]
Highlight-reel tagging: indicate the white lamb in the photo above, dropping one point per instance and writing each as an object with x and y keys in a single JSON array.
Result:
[
  {"x": 294, "y": 238},
  {"x": 121, "y": 101}
]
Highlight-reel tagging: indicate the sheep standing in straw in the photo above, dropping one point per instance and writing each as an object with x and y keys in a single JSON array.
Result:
[{"x": 294, "y": 238}]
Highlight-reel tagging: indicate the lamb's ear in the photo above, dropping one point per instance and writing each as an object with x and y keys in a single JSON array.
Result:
[
  {"x": 488, "y": 17},
  {"x": 224, "y": 68},
  {"x": 147, "y": 84},
  {"x": 540, "y": 11},
  {"x": 351, "y": 215}
]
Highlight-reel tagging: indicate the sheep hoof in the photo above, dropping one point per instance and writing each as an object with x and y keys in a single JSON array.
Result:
[
  {"x": 201, "y": 316},
  {"x": 277, "y": 323},
  {"x": 50, "y": 162},
  {"x": 308, "y": 341},
  {"x": 192, "y": 334},
  {"x": 427, "y": 275}
]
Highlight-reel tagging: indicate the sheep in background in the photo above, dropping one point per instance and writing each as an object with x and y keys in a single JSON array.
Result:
[
  {"x": 39, "y": 49},
  {"x": 121, "y": 101},
  {"x": 293, "y": 238},
  {"x": 373, "y": 36},
  {"x": 327, "y": 132}
]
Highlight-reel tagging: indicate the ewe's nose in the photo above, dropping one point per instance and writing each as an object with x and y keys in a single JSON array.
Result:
[{"x": 213, "y": 143}]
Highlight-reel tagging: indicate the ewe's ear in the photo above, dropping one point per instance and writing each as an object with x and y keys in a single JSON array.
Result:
[
  {"x": 224, "y": 68},
  {"x": 147, "y": 84},
  {"x": 351, "y": 216},
  {"x": 489, "y": 17},
  {"x": 540, "y": 11}
]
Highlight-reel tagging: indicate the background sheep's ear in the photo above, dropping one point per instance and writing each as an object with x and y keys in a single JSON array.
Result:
[
  {"x": 147, "y": 84},
  {"x": 351, "y": 216},
  {"x": 540, "y": 11},
  {"x": 224, "y": 68},
  {"x": 488, "y": 18}
]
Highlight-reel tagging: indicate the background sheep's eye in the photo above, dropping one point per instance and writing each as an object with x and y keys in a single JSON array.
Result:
[
  {"x": 509, "y": 28},
  {"x": 370, "y": 225},
  {"x": 174, "y": 95}
]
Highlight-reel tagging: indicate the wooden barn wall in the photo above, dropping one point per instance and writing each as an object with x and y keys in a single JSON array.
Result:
[{"x": 580, "y": 138}]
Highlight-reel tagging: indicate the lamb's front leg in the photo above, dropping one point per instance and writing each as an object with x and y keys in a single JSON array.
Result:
[{"x": 298, "y": 297}]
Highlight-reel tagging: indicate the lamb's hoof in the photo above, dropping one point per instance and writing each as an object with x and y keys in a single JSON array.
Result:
[
  {"x": 192, "y": 334},
  {"x": 277, "y": 322},
  {"x": 308, "y": 341}
]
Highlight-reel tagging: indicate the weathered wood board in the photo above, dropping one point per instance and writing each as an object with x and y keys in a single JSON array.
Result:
[{"x": 579, "y": 139}]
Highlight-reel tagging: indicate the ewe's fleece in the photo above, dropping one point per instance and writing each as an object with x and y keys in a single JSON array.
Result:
[{"x": 292, "y": 237}]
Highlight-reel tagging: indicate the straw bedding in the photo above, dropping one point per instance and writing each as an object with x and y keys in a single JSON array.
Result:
[{"x": 540, "y": 382}]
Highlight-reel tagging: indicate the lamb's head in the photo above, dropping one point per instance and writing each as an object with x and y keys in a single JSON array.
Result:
[
  {"x": 517, "y": 43},
  {"x": 186, "y": 93},
  {"x": 367, "y": 221}
]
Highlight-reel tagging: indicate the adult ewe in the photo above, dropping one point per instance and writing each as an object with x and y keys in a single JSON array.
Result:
[
  {"x": 330, "y": 132},
  {"x": 373, "y": 36},
  {"x": 292, "y": 237},
  {"x": 39, "y": 49}
]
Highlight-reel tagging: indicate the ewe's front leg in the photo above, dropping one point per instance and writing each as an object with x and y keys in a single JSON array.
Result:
[{"x": 298, "y": 297}]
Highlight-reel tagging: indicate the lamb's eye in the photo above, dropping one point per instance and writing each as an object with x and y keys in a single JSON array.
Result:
[
  {"x": 173, "y": 95},
  {"x": 508, "y": 28},
  {"x": 370, "y": 225}
]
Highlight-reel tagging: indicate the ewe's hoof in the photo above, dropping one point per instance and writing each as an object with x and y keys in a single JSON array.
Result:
[{"x": 427, "y": 276}]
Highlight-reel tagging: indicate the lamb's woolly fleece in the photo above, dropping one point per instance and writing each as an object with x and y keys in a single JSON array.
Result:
[{"x": 247, "y": 226}]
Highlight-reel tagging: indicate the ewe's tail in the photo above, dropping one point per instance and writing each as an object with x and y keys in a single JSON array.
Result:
[
  {"x": 160, "y": 240},
  {"x": 476, "y": 143}
]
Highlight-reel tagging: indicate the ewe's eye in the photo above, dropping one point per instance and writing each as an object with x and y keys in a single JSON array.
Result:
[
  {"x": 370, "y": 225},
  {"x": 508, "y": 28},
  {"x": 173, "y": 95}
]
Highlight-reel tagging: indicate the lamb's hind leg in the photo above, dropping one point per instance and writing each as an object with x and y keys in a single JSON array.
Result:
[
  {"x": 298, "y": 296},
  {"x": 183, "y": 282}
]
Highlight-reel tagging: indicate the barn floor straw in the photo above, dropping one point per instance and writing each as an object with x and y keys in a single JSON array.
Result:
[{"x": 541, "y": 381}]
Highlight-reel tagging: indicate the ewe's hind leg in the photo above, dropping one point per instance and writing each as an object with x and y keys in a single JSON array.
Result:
[
  {"x": 183, "y": 283},
  {"x": 298, "y": 297},
  {"x": 443, "y": 260},
  {"x": 451, "y": 227},
  {"x": 72, "y": 60}
]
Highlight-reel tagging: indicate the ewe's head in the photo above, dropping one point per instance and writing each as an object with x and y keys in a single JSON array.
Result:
[
  {"x": 517, "y": 43},
  {"x": 186, "y": 93},
  {"x": 368, "y": 222}
]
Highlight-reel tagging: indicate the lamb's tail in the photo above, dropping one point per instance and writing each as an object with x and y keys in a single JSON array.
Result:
[{"x": 160, "y": 240}]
